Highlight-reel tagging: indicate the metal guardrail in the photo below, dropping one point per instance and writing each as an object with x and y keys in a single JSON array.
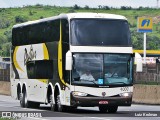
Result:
[
  {"x": 150, "y": 75},
  {"x": 5, "y": 75},
  {"x": 147, "y": 78}
]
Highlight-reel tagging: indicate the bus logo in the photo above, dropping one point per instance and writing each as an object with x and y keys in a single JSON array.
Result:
[{"x": 103, "y": 94}]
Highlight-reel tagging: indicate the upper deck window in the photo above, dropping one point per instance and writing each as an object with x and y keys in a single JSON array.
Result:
[
  {"x": 100, "y": 32},
  {"x": 42, "y": 32}
]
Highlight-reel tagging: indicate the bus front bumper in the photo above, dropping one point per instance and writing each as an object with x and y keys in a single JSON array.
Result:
[{"x": 99, "y": 101}]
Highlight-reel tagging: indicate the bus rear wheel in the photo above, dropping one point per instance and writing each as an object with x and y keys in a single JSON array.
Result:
[
  {"x": 60, "y": 107},
  {"x": 27, "y": 104},
  {"x": 52, "y": 104},
  {"x": 22, "y": 100}
]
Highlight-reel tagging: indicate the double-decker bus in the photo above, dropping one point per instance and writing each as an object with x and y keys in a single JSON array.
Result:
[{"x": 50, "y": 56}]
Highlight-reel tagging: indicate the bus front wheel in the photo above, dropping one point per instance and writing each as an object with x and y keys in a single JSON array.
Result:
[
  {"x": 112, "y": 109},
  {"x": 109, "y": 109},
  {"x": 103, "y": 109}
]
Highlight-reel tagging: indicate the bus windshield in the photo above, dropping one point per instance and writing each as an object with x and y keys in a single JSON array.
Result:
[
  {"x": 100, "y": 32},
  {"x": 102, "y": 69}
]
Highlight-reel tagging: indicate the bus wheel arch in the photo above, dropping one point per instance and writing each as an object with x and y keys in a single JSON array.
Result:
[{"x": 52, "y": 96}]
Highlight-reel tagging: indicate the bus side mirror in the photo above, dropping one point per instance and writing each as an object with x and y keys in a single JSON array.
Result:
[
  {"x": 138, "y": 62},
  {"x": 69, "y": 60}
]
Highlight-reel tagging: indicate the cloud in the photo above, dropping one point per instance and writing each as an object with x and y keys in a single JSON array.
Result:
[
  {"x": 4, "y": 4},
  {"x": 91, "y": 3}
]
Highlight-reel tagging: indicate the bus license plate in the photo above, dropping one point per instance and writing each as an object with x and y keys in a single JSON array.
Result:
[{"x": 103, "y": 102}]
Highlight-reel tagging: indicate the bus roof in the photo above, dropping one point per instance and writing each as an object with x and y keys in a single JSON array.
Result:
[
  {"x": 72, "y": 16},
  {"x": 95, "y": 15}
]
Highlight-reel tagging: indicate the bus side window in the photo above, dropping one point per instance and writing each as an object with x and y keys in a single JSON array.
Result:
[
  {"x": 65, "y": 31},
  {"x": 42, "y": 69},
  {"x": 53, "y": 32},
  {"x": 30, "y": 70}
]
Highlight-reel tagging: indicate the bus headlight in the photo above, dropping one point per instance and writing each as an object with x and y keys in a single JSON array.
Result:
[
  {"x": 127, "y": 94},
  {"x": 79, "y": 94}
]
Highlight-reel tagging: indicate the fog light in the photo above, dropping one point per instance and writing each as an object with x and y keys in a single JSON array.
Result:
[{"x": 79, "y": 94}]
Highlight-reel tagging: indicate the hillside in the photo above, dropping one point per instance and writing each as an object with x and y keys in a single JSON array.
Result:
[{"x": 11, "y": 16}]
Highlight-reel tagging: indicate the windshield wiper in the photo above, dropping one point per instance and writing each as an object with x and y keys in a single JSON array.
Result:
[
  {"x": 90, "y": 81},
  {"x": 119, "y": 83}
]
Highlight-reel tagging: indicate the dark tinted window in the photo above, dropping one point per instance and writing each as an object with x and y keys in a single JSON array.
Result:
[
  {"x": 100, "y": 32},
  {"x": 40, "y": 69},
  {"x": 65, "y": 31},
  {"x": 47, "y": 31}
]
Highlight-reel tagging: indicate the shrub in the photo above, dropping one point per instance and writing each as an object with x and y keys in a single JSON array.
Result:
[{"x": 20, "y": 19}]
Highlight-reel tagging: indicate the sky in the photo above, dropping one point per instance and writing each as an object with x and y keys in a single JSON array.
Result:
[{"x": 82, "y": 3}]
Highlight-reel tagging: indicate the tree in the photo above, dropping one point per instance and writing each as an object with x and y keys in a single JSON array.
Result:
[
  {"x": 100, "y": 6},
  {"x": 8, "y": 35},
  {"x": 153, "y": 42},
  {"x": 137, "y": 39},
  {"x": 126, "y": 8},
  {"x": 106, "y": 7},
  {"x": 76, "y": 7},
  {"x": 6, "y": 49},
  {"x": 86, "y": 7}
]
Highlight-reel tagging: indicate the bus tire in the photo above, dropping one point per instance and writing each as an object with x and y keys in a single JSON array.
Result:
[
  {"x": 22, "y": 100},
  {"x": 112, "y": 109},
  {"x": 25, "y": 103},
  {"x": 103, "y": 109},
  {"x": 18, "y": 92},
  {"x": 61, "y": 108},
  {"x": 53, "y": 106}
]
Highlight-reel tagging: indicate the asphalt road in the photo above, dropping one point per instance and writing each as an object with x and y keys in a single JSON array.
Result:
[{"x": 12, "y": 107}]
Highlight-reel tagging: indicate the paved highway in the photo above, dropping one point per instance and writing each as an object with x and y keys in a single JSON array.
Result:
[{"x": 8, "y": 104}]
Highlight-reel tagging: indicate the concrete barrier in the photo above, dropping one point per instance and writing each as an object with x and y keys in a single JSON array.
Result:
[
  {"x": 146, "y": 94},
  {"x": 5, "y": 88}
]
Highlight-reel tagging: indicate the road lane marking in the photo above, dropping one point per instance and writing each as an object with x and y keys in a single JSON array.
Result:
[
  {"x": 98, "y": 118},
  {"x": 37, "y": 118}
]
